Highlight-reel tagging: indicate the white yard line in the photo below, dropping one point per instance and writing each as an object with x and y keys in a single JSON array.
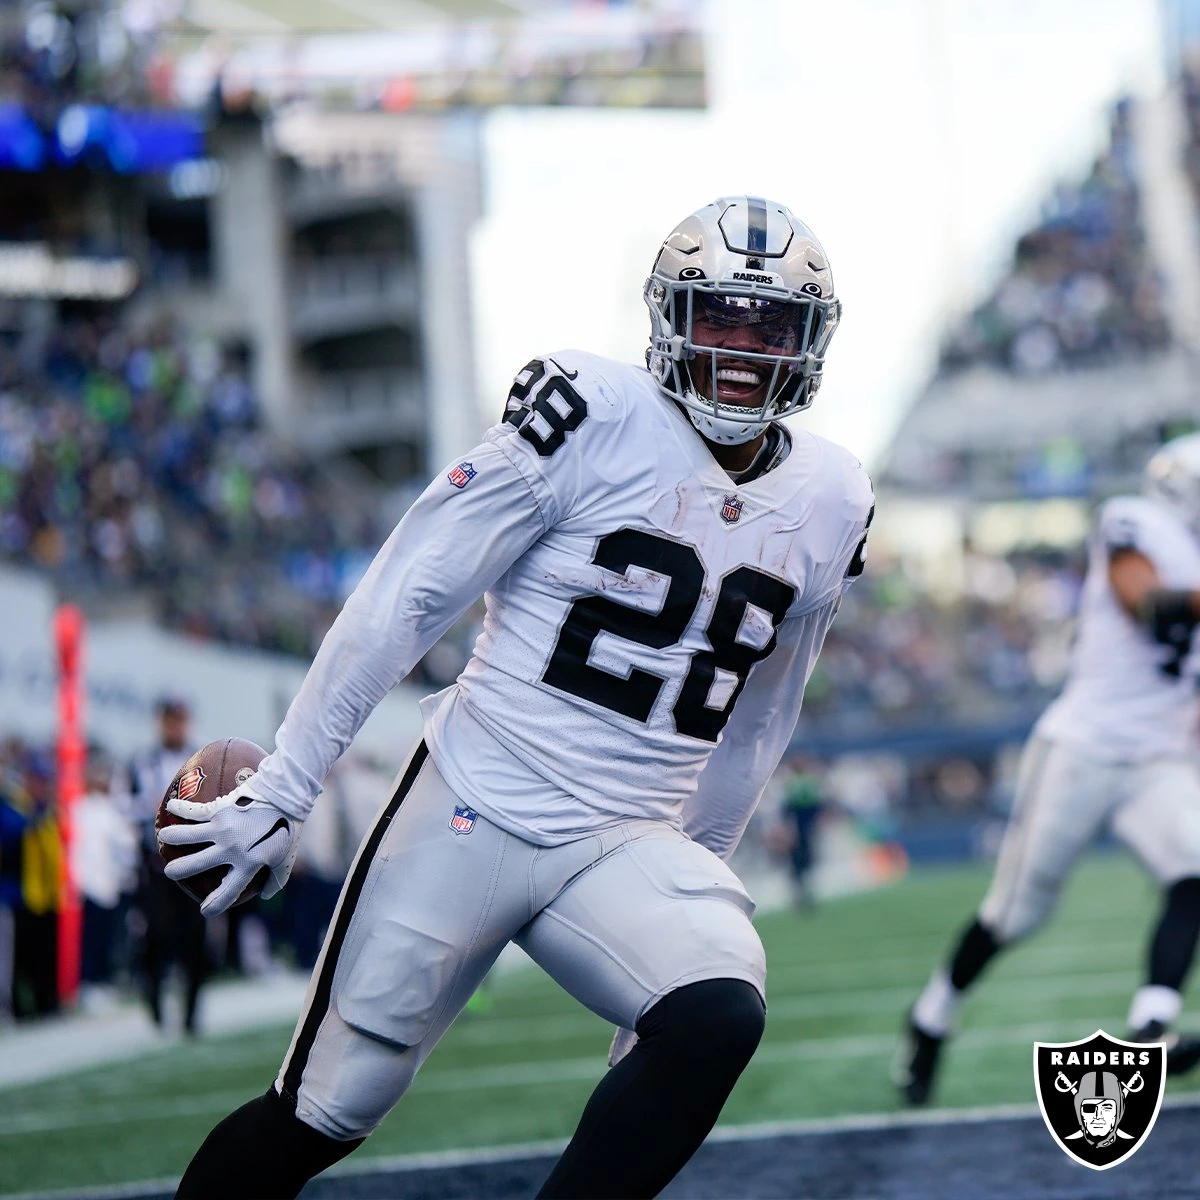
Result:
[
  {"x": 1029, "y": 962},
  {"x": 466, "y": 1079},
  {"x": 500, "y": 1031},
  {"x": 61, "y": 1047},
  {"x": 66, "y": 1045}
]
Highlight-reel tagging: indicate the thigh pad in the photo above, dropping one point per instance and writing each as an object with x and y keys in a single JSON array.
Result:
[{"x": 397, "y": 983}]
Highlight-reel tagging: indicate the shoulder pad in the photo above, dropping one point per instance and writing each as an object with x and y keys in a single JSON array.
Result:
[
  {"x": 1122, "y": 519},
  {"x": 564, "y": 400},
  {"x": 577, "y": 373},
  {"x": 846, "y": 480},
  {"x": 598, "y": 379}
]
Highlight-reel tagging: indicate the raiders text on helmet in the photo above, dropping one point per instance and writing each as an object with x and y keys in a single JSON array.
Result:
[{"x": 741, "y": 261}]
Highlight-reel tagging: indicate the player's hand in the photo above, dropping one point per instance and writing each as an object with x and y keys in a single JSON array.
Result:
[{"x": 246, "y": 834}]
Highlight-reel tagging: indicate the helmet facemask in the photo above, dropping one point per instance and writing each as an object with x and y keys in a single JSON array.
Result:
[
  {"x": 793, "y": 329},
  {"x": 1172, "y": 478}
]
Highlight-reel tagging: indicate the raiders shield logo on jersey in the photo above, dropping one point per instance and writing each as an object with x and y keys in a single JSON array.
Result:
[{"x": 1099, "y": 1096}]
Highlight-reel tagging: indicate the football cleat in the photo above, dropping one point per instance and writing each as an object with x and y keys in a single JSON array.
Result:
[
  {"x": 916, "y": 1063},
  {"x": 1183, "y": 1053}
]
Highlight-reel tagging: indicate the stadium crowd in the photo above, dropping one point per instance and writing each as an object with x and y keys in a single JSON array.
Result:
[
  {"x": 1081, "y": 288},
  {"x": 126, "y": 461},
  {"x": 897, "y": 653},
  {"x": 55, "y": 55}
]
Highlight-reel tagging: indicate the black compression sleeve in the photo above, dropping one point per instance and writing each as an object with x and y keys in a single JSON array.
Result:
[{"x": 654, "y": 1108}]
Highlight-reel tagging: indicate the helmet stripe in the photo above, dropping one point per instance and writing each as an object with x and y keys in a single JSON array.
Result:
[{"x": 756, "y": 241}]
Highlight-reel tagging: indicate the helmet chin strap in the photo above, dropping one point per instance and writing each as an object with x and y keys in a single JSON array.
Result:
[{"x": 722, "y": 430}]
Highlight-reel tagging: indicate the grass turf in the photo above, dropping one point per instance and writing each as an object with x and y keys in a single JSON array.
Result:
[{"x": 840, "y": 982}]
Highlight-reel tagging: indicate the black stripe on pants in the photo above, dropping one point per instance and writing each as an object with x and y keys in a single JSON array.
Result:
[{"x": 341, "y": 925}]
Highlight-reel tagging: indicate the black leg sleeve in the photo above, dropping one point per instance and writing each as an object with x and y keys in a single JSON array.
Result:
[
  {"x": 1173, "y": 945},
  {"x": 976, "y": 948},
  {"x": 263, "y": 1151},
  {"x": 650, "y": 1113}
]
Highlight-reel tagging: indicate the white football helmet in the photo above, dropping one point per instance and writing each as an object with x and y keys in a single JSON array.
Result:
[
  {"x": 1172, "y": 477},
  {"x": 739, "y": 261}
]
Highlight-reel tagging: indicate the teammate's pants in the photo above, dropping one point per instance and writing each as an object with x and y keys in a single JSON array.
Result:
[
  {"x": 619, "y": 918},
  {"x": 175, "y": 932},
  {"x": 1065, "y": 798}
]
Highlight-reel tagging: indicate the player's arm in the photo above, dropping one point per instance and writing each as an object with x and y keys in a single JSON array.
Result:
[
  {"x": 1134, "y": 578},
  {"x": 1169, "y": 615},
  {"x": 448, "y": 549},
  {"x": 451, "y": 546},
  {"x": 756, "y": 735}
]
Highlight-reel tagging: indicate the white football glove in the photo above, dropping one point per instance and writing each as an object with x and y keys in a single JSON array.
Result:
[{"x": 246, "y": 833}]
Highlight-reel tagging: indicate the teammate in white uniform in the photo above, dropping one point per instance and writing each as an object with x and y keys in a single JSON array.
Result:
[
  {"x": 661, "y": 561},
  {"x": 1116, "y": 749}
]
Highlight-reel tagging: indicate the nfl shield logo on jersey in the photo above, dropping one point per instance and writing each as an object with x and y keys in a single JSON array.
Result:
[
  {"x": 461, "y": 475},
  {"x": 189, "y": 783},
  {"x": 464, "y": 819},
  {"x": 731, "y": 510},
  {"x": 1099, "y": 1096}
]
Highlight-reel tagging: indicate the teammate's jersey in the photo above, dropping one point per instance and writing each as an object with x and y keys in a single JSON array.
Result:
[
  {"x": 632, "y": 589},
  {"x": 1127, "y": 696}
]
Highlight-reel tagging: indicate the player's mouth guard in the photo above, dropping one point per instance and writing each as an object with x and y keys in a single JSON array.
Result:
[{"x": 728, "y": 408}]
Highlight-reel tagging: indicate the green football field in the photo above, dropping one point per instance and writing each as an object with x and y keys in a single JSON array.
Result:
[{"x": 839, "y": 983}]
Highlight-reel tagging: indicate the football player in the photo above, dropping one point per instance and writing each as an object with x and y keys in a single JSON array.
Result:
[
  {"x": 661, "y": 560},
  {"x": 1115, "y": 749}
]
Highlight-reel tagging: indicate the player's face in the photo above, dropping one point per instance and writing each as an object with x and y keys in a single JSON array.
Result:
[
  {"x": 174, "y": 730},
  {"x": 1099, "y": 1117},
  {"x": 737, "y": 323}
]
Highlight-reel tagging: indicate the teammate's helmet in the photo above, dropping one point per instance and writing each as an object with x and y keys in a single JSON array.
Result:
[
  {"x": 1099, "y": 1105},
  {"x": 1172, "y": 478},
  {"x": 741, "y": 260}
]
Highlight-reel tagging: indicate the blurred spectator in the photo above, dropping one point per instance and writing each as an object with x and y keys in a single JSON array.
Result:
[
  {"x": 61, "y": 54},
  {"x": 35, "y": 927},
  {"x": 13, "y": 809},
  {"x": 174, "y": 930},
  {"x": 897, "y": 654},
  {"x": 105, "y": 857},
  {"x": 326, "y": 850},
  {"x": 803, "y": 801}
]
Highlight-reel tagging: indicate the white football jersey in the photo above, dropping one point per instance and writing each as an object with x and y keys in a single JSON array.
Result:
[
  {"x": 633, "y": 592},
  {"x": 1127, "y": 696}
]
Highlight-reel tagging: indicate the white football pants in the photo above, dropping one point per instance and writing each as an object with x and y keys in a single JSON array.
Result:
[
  {"x": 1064, "y": 799},
  {"x": 618, "y": 918}
]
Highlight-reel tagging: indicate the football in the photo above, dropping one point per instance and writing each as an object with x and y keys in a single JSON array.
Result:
[{"x": 214, "y": 770}]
